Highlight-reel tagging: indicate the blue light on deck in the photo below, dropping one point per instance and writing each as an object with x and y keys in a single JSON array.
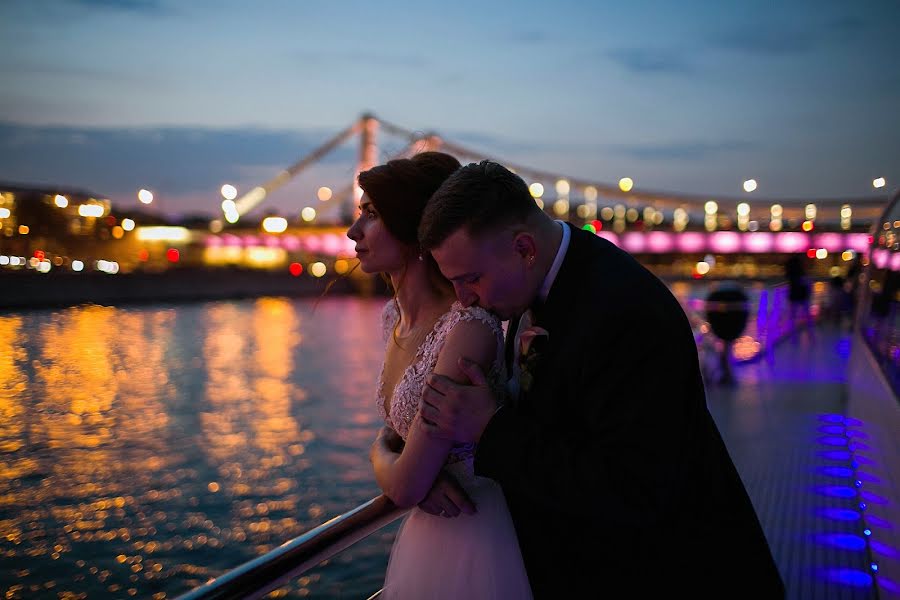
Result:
[
  {"x": 843, "y": 348},
  {"x": 836, "y": 491},
  {"x": 858, "y": 483},
  {"x": 835, "y": 455},
  {"x": 845, "y": 541},
  {"x": 867, "y": 532},
  {"x": 849, "y": 577},
  {"x": 832, "y": 418},
  {"x": 884, "y": 550},
  {"x": 839, "y": 514},
  {"x": 863, "y": 476},
  {"x": 862, "y": 506},
  {"x": 874, "y": 498},
  {"x": 874, "y": 567},
  {"x": 837, "y": 471},
  {"x": 832, "y": 440},
  {"x": 832, "y": 429},
  {"x": 878, "y": 522}
]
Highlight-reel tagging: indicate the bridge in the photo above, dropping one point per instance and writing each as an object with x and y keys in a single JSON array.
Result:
[{"x": 675, "y": 234}]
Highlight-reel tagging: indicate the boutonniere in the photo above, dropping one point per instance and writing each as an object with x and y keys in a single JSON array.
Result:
[{"x": 532, "y": 341}]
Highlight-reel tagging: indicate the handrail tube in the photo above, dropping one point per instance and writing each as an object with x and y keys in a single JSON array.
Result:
[{"x": 258, "y": 577}]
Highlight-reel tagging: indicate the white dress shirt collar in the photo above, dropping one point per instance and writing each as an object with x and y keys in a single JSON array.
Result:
[{"x": 557, "y": 263}]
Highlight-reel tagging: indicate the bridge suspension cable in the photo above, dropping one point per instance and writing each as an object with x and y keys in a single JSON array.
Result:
[{"x": 419, "y": 141}]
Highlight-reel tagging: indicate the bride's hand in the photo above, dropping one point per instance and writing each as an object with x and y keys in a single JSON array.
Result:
[
  {"x": 447, "y": 498},
  {"x": 387, "y": 444}
]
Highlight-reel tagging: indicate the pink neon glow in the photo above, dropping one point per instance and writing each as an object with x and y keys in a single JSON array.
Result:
[
  {"x": 609, "y": 237},
  {"x": 792, "y": 241},
  {"x": 349, "y": 247},
  {"x": 880, "y": 257},
  {"x": 251, "y": 240},
  {"x": 291, "y": 243},
  {"x": 634, "y": 242},
  {"x": 660, "y": 241},
  {"x": 213, "y": 241},
  {"x": 725, "y": 242},
  {"x": 272, "y": 241},
  {"x": 312, "y": 243},
  {"x": 858, "y": 242},
  {"x": 691, "y": 241},
  {"x": 895, "y": 261},
  {"x": 331, "y": 244},
  {"x": 231, "y": 240},
  {"x": 760, "y": 241},
  {"x": 833, "y": 242}
]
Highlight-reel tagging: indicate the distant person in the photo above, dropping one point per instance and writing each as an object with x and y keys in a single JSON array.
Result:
[
  {"x": 854, "y": 272},
  {"x": 426, "y": 331},
  {"x": 619, "y": 483},
  {"x": 834, "y": 306},
  {"x": 799, "y": 294}
]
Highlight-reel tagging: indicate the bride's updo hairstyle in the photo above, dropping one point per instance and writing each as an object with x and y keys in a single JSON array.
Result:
[{"x": 400, "y": 189}]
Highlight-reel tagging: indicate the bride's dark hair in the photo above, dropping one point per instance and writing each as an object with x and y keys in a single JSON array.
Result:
[{"x": 400, "y": 189}]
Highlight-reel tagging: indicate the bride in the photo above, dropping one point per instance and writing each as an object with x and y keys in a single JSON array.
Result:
[{"x": 439, "y": 552}]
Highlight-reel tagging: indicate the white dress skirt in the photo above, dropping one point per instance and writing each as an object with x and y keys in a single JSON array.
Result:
[{"x": 469, "y": 556}]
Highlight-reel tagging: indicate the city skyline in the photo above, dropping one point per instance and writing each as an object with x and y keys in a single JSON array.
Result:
[{"x": 182, "y": 98}]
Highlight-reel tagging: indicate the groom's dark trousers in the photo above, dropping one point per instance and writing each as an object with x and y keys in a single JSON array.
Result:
[{"x": 618, "y": 481}]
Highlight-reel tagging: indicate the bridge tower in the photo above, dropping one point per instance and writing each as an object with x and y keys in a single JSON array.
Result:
[{"x": 368, "y": 158}]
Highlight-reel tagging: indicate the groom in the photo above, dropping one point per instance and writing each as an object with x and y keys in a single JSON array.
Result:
[{"x": 616, "y": 476}]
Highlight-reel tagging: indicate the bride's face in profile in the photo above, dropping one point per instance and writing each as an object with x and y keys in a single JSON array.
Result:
[{"x": 377, "y": 250}]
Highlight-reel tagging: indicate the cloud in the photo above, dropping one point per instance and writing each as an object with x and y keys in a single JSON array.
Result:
[
  {"x": 413, "y": 61},
  {"x": 687, "y": 151},
  {"x": 531, "y": 37},
  {"x": 653, "y": 61},
  {"x": 773, "y": 39},
  {"x": 116, "y": 161},
  {"x": 133, "y": 6},
  {"x": 766, "y": 40}
]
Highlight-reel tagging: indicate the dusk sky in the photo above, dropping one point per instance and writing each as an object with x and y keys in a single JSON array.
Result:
[{"x": 690, "y": 97}]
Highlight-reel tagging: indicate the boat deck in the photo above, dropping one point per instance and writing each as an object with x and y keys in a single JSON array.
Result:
[{"x": 783, "y": 422}]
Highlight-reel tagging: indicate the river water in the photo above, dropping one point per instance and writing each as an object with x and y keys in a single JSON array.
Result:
[{"x": 144, "y": 450}]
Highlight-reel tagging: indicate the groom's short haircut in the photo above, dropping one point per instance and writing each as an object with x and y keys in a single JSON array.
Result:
[{"x": 479, "y": 197}]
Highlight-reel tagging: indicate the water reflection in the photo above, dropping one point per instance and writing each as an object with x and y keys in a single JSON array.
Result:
[{"x": 145, "y": 450}]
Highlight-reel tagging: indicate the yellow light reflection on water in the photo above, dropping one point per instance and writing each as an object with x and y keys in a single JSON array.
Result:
[
  {"x": 133, "y": 442},
  {"x": 13, "y": 384}
]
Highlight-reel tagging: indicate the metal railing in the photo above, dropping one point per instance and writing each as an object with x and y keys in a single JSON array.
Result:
[{"x": 258, "y": 577}]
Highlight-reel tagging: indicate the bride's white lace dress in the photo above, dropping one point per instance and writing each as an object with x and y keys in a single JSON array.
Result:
[{"x": 470, "y": 556}]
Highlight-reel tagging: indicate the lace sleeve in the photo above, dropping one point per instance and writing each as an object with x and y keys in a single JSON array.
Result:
[
  {"x": 389, "y": 317},
  {"x": 497, "y": 374}
]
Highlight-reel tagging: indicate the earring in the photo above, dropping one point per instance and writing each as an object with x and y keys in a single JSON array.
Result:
[{"x": 421, "y": 257}]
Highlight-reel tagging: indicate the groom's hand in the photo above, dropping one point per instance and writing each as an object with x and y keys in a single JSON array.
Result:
[
  {"x": 455, "y": 411},
  {"x": 447, "y": 498}
]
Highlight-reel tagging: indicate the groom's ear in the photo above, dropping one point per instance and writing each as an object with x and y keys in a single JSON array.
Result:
[{"x": 525, "y": 246}]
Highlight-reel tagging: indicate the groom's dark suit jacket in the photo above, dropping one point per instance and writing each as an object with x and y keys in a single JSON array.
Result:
[{"x": 616, "y": 476}]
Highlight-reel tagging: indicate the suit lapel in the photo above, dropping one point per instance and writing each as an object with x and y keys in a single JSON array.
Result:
[{"x": 553, "y": 314}]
